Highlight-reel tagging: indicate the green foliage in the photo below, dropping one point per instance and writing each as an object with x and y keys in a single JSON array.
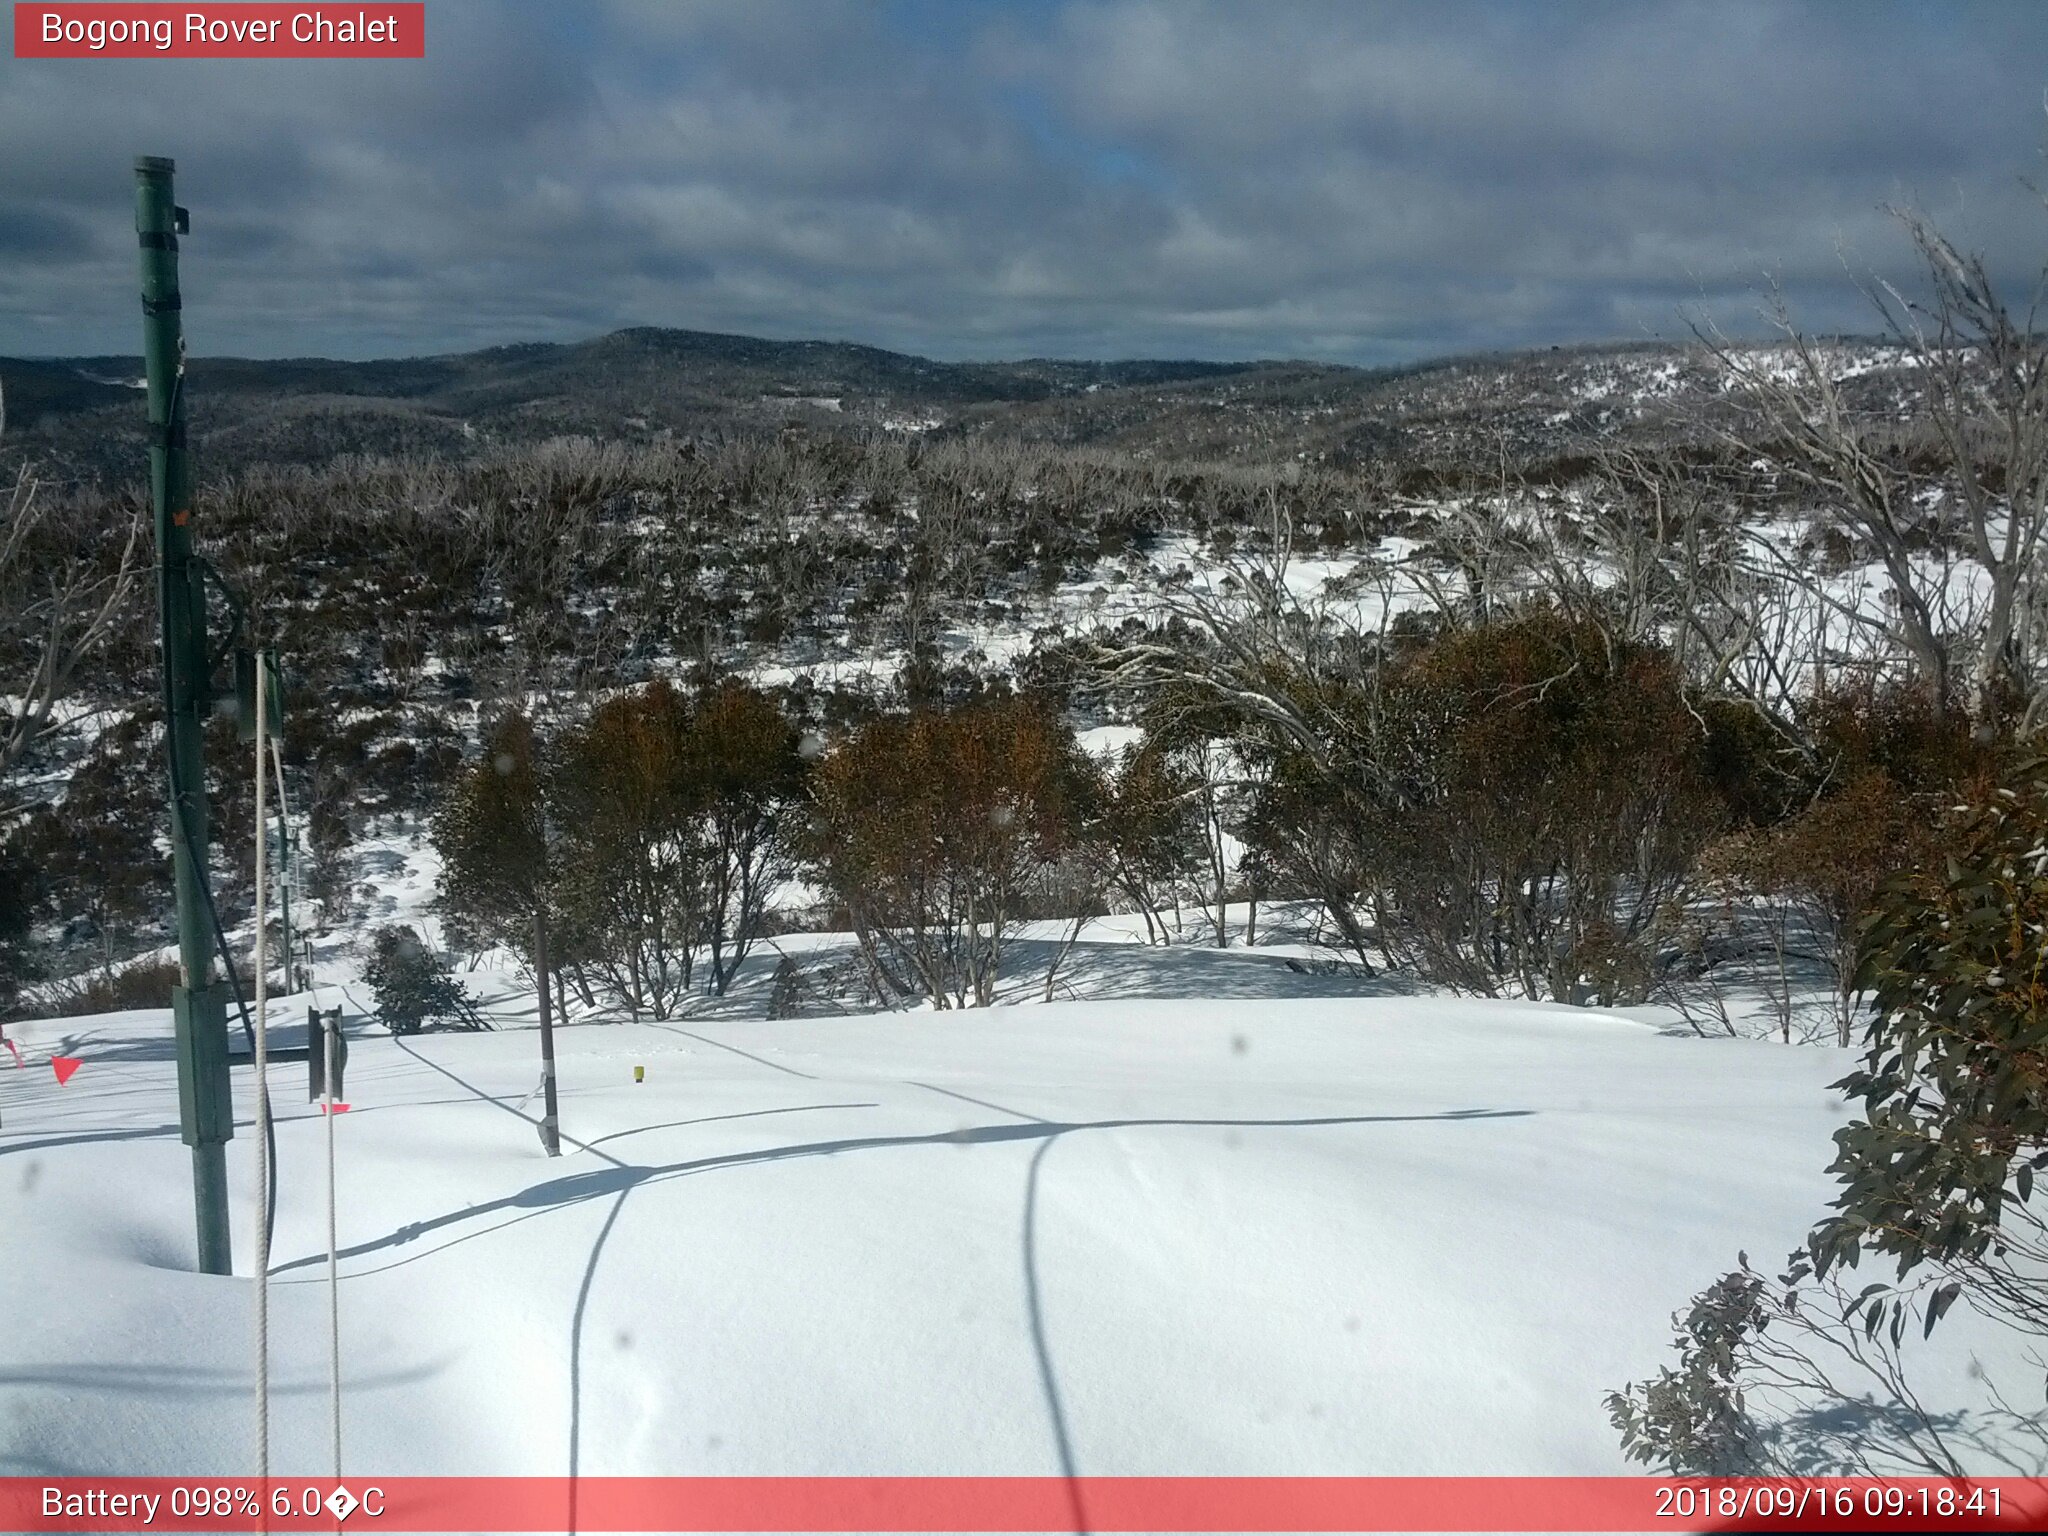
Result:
[
  {"x": 1954, "y": 1081},
  {"x": 411, "y": 989},
  {"x": 1937, "y": 1173},
  {"x": 1692, "y": 1421}
]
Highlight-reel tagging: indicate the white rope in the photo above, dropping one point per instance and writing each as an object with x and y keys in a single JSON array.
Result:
[
  {"x": 262, "y": 1117},
  {"x": 328, "y": 1046}
]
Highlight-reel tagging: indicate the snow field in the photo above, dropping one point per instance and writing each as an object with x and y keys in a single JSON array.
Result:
[{"x": 1260, "y": 1236}]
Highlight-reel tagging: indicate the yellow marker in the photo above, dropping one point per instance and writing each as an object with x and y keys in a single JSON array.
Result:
[{"x": 639, "y": 1074}]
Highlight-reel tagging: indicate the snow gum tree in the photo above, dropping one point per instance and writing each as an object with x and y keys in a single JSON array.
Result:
[
  {"x": 66, "y": 586},
  {"x": 1197, "y": 742},
  {"x": 1884, "y": 763},
  {"x": 499, "y": 861},
  {"x": 638, "y": 845},
  {"x": 677, "y": 812},
  {"x": 931, "y": 829},
  {"x": 1548, "y": 796},
  {"x": 69, "y": 575},
  {"x": 1945, "y": 497},
  {"x": 635, "y": 865},
  {"x": 1147, "y": 831},
  {"x": 748, "y": 777},
  {"x": 1505, "y": 806}
]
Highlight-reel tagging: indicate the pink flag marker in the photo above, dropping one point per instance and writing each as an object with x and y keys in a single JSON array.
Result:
[{"x": 64, "y": 1066}]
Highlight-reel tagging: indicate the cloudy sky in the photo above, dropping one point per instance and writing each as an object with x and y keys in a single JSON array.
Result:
[{"x": 1355, "y": 182}]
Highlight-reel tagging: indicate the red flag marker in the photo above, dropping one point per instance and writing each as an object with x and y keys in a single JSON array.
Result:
[
  {"x": 64, "y": 1066},
  {"x": 14, "y": 1048},
  {"x": 338, "y": 1109}
]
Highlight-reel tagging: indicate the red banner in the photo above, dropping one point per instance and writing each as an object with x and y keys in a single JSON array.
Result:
[
  {"x": 1098, "y": 1504},
  {"x": 71, "y": 30}
]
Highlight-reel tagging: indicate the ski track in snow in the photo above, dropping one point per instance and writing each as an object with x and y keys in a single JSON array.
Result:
[{"x": 1339, "y": 1235}]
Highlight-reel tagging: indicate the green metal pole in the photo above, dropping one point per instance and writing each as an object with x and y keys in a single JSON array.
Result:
[{"x": 199, "y": 1004}]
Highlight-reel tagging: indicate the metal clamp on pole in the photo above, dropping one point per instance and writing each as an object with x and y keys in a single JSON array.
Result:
[{"x": 324, "y": 1038}]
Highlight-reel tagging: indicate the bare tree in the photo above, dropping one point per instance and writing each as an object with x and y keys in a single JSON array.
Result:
[
  {"x": 1296, "y": 670},
  {"x": 1958, "y": 540},
  {"x": 1669, "y": 558},
  {"x": 56, "y": 608}
]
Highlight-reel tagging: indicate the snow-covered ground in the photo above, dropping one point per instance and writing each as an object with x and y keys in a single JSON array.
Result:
[
  {"x": 1225, "y": 1210},
  {"x": 1395, "y": 1235},
  {"x": 1260, "y": 1234}
]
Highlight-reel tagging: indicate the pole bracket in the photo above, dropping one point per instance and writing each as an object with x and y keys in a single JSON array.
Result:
[{"x": 199, "y": 1018}]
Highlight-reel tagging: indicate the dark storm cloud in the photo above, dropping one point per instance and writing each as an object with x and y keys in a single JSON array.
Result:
[
  {"x": 36, "y": 234},
  {"x": 1162, "y": 177}
]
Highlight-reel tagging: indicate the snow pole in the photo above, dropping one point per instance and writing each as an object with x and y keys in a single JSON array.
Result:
[
  {"x": 198, "y": 1003},
  {"x": 550, "y": 1124},
  {"x": 331, "y": 1069},
  {"x": 262, "y": 1054}
]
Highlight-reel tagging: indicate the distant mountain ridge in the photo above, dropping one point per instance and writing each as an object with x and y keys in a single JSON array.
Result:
[
  {"x": 639, "y": 380},
  {"x": 715, "y": 359},
  {"x": 82, "y": 417}
]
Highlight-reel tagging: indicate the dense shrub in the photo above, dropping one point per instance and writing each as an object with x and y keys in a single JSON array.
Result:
[
  {"x": 1505, "y": 806},
  {"x": 1940, "y": 1170},
  {"x": 931, "y": 829},
  {"x": 1885, "y": 763},
  {"x": 140, "y": 984},
  {"x": 649, "y": 839},
  {"x": 410, "y": 988}
]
